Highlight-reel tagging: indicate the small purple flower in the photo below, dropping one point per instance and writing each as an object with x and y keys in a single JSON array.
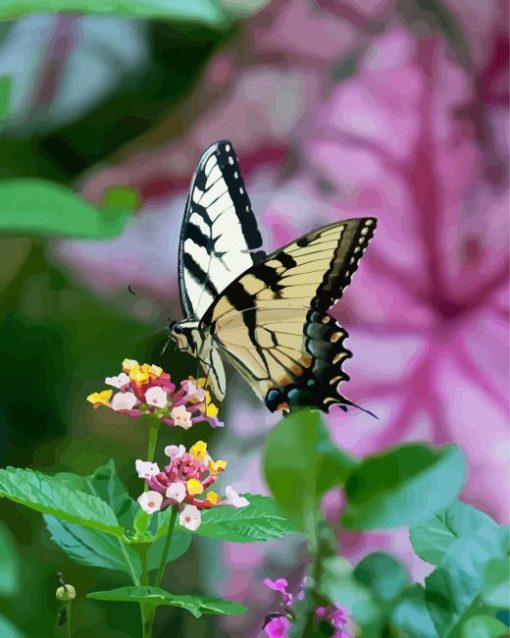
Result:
[
  {"x": 280, "y": 585},
  {"x": 339, "y": 617},
  {"x": 277, "y": 627}
]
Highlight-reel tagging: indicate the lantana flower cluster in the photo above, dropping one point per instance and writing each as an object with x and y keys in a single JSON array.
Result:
[
  {"x": 185, "y": 482},
  {"x": 278, "y": 625},
  {"x": 143, "y": 389}
]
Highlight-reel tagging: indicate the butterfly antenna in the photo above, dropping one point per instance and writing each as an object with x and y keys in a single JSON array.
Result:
[
  {"x": 168, "y": 339},
  {"x": 355, "y": 405},
  {"x": 165, "y": 347}
]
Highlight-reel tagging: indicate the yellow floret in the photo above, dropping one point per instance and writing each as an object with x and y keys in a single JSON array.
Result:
[
  {"x": 155, "y": 371},
  {"x": 100, "y": 398},
  {"x": 211, "y": 410},
  {"x": 199, "y": 450},
  {"x": 138, "y": 375},
  {"x": 212, "y": 497},
  {"x": 215, "y": 467},
  {"x": 128, "y": 364},
  {"x": 194, "y": 487}
]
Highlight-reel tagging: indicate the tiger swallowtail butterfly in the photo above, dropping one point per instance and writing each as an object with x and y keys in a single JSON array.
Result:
[{"x": 267, "y": 315}]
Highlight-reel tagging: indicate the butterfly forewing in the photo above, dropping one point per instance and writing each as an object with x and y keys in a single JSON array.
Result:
[{"x": 219, "y": 237}]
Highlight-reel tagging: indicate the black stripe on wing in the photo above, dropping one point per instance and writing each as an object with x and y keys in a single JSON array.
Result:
[
  {"x": 229, "y": 166},
  {"x": 317, "y": 384},
  {"x": 217, "y": 202},
  {"x": 350, "y": 249}
]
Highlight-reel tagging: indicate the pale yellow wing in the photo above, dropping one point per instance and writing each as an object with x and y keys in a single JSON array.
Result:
[{"x": 272, "y": 321}]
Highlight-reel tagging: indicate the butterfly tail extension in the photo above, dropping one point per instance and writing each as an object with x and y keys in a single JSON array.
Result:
[{"x": 325, "y": 354}]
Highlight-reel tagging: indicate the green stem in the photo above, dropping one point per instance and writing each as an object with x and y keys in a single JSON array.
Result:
[
  {"x": 166, "y": 548},
  {"x": 143, "y": 563},
  {"x": 153, "y": 437},
  {"x": 134, "y": 577},
  {"x": 147, "y": 614},
  {"x": 69, "y": 606}
]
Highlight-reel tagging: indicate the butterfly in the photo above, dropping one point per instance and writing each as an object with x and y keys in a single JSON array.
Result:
[{"x": 267, "y": 315}]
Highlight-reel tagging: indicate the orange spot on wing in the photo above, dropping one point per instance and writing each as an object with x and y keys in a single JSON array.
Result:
[{"x": 307, "y": 360}]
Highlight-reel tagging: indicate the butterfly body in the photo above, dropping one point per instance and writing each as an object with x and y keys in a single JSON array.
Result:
[{"x": 267, "y": 315}]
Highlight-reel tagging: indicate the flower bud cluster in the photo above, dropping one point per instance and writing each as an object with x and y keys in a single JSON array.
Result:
[
  {"x": 146, "y": 389},
  {"x": 278, "y": 625},
  {"x": 185, "y": 482}
]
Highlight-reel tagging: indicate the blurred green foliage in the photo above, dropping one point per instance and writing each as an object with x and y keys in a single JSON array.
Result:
[{"x": 59, "y": 341}]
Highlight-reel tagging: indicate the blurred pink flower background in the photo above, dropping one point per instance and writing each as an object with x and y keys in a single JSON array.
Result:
[{"x": 342, "y": 109}]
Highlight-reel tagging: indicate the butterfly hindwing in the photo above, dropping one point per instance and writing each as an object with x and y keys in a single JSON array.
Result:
[
  {"x": 272, "y": 321},
  {"x": 297, "y": 358},
  {"x": 219, "y": 237}
]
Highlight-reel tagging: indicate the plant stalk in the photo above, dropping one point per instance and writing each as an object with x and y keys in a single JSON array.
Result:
[
  {"x": 153, "y": 437},
  {"x": 166, "y": 548},
  {"x": 147, "y": 614},
  {"x": 69, "y": 607}
]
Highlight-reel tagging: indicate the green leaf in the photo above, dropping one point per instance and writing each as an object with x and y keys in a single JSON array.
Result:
[
  {"x": 97, "y": 549},
  {"x": 301, "y": 464},
  {"x": 238, "y": 9},
  {"x": 8, "y": 630},
  {"x": 261, "y": 520},
  {"x": 5, "y": 94},
  {"x": 47, "y": 495},
  {"x": 484, "y": 627},
  {"x": 38, "y": 207},
  {"x": 454, "y": 587},
  {"x": 339, "y": 584},
  {"x": 496, "y": 583},
  {"x": 383, "y": 574},
  {"x": 120, "y": 198},
  {"x": 9, "y": 563},
  {"x": 105, "y": 484},
  {"x": 89, "y": 546},
  {"x": 199, "y": 11},
  {"x": 94, "y": 548},
  {"x": 153, "y": 596},
  {"x": 432, "y": 540},
  {"x": 411, "y": 614},
  {"x": 180, "y": 545},
  {"x": 402, "y": 486},
  {"x": 142, "y": 521}
]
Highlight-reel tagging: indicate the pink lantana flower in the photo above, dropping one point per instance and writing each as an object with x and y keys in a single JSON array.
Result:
[
  {"x": 119, "y": 382},
  {"x": 186, "y": 482},
  {"x": 150, "y": 501},
  {"x": 157, "y": 397},
  {"x": 146, "y": 469},
  {"x": 176, "y": 492},
  {"x": 123, "y": 401},
  {"x": 146, "y": 389},
  {"x": 233, "y": 498},
  {"x": 175, "y": 451},
  {"x": 190, "y": 517}
]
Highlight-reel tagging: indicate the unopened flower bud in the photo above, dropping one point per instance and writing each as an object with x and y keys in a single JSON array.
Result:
[{"x": 66, "y": 594}]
